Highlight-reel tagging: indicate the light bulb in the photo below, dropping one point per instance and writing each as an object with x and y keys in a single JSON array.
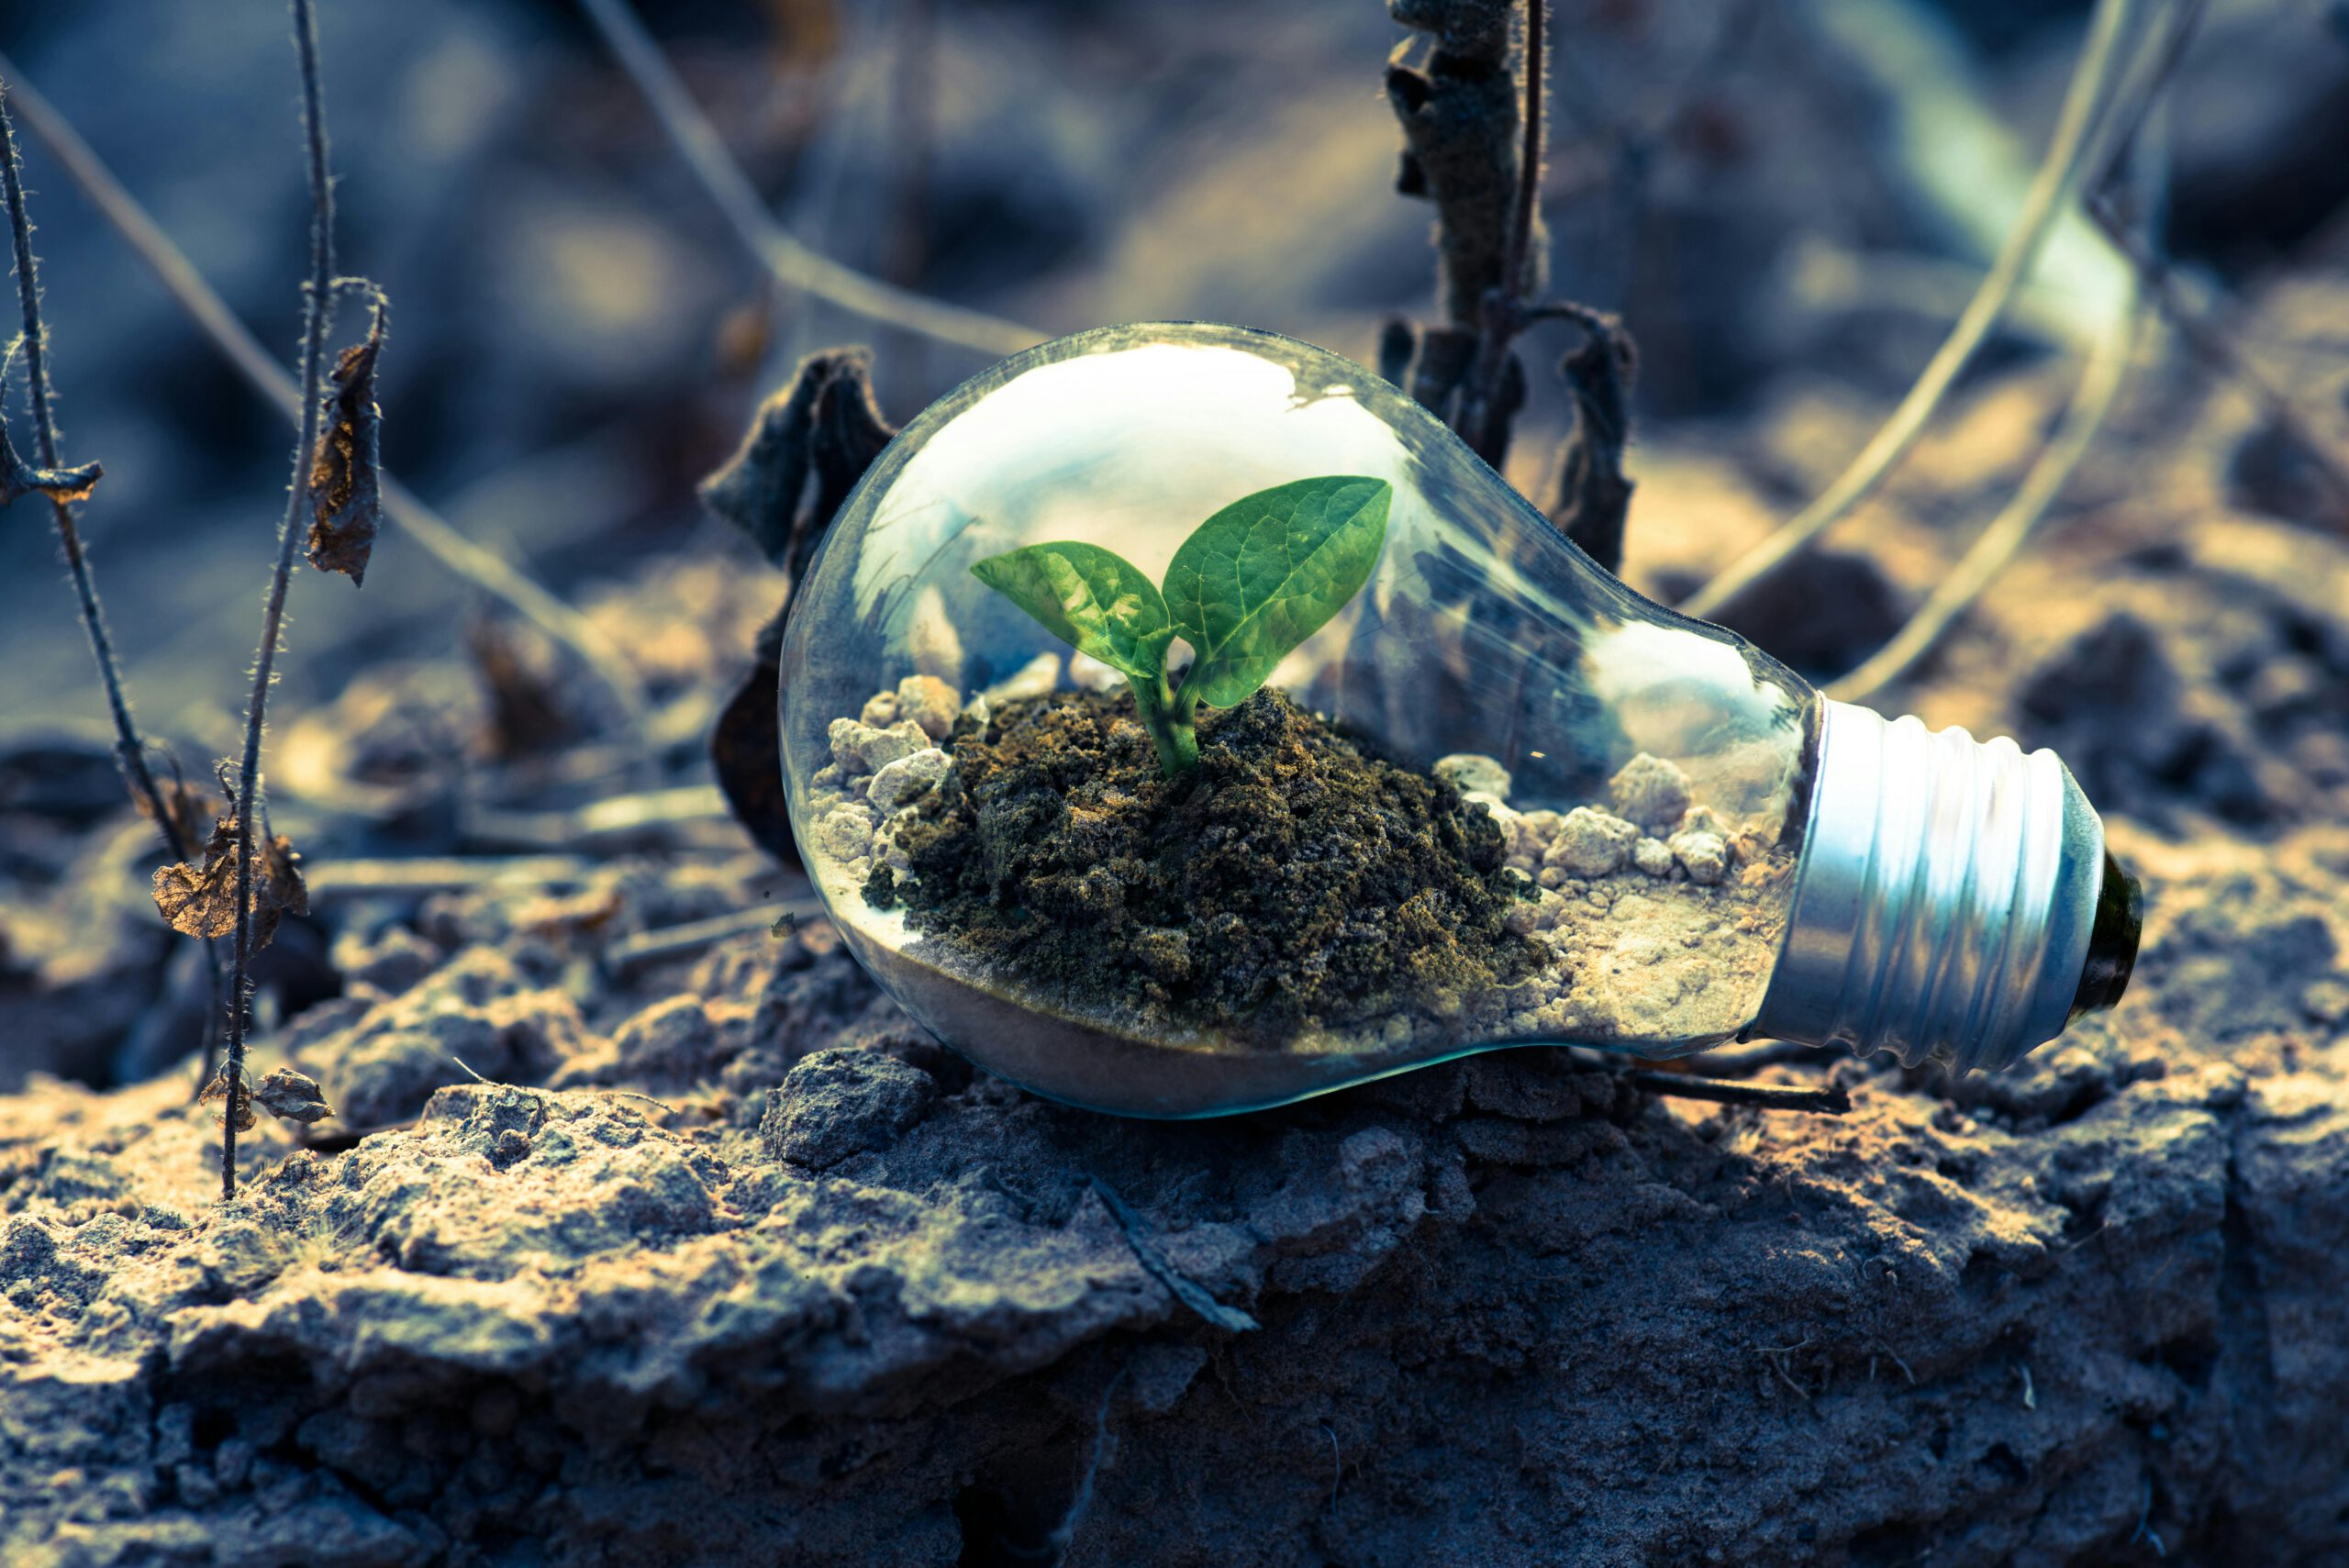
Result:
[{"x": 1688, "y": 844}]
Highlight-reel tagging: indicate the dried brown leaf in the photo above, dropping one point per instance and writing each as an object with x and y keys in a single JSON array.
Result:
[
  {"x": 346, "y": 483},
  {"x": 186, "y": 807},
  {"x": 294, "y": 1096},
  {"x": 239, "y": 1104},
  {"x": 202, "y": 902}
]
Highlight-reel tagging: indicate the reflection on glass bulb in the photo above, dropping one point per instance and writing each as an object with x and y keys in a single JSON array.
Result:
[{"x": 1649, "y": 836}]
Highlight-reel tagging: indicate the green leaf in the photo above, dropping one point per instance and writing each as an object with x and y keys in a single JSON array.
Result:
[
  {"x": 1268, "y": 571},
  {"x": 1094, "y": 599}
]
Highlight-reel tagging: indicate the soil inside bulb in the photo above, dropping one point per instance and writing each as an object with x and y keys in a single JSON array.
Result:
[{"x": 1297, "y": 891}]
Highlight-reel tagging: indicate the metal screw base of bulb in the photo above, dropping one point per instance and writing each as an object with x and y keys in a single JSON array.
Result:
[{"x": 1954, "y": 899}]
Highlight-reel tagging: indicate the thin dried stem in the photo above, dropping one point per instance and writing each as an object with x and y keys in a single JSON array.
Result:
[
  {"x": 792, "y": 264},
  {"x": 129, "y": 750},
  {"x": 2211, "y": 343},
  {"x": 317, "y": 314},
  {"x": 2052, "y": 189},
  {"x": 2107, "y": 369},
  {"x": 440, "y": 540},
  {"x": 1832, "y": 1100}
]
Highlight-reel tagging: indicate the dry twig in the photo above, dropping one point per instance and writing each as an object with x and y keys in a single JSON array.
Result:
[
  {"x": 2011, "y": 530},
  {"x": 1832, "y": 1100},
  {"x": 791, "y": 263},
  {"x": 2211, "y": 343},
  {"x": 318, "y": 312},
  {"x": 2069, "y": 152},
  {"x": 484, "y": 569}
]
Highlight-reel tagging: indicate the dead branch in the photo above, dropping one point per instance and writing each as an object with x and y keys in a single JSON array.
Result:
[
  {"x": 317, "y": 314},
  {"x": 2011, "y": 530},
  {"x": 791, "y": 263},
  {"x": 1832, "y": 1100},
  {"x": 2216, "y": 346},
  {"x": 2069, "y": 152},
  {"x": 483, "y": 568}
]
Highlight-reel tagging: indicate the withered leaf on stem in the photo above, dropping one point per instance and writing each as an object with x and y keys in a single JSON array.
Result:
[
  {"x": 186, "y": 807},
  {"x": 826, "y": 426},
  {"x": 239, "y": 1105},
  {"x": 202, "y": 902},
  {"x": 294, "y": 1096},
  {"x": 346, "y": 485},
  {"x": 1594, "y": 494},
  {"x": 18, "y": 477}
]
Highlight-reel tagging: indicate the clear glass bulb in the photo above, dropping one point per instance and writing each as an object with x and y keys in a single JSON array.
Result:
[{"x": 1689, "y": 844}]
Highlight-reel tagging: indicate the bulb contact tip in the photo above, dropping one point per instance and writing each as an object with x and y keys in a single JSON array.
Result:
[{"x": 2112, "y": 942}]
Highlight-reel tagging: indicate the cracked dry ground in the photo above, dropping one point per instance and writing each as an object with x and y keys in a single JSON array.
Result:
[
  {"x": 1509, "y": 1311},
  {"x": 829, "y": 1297}
]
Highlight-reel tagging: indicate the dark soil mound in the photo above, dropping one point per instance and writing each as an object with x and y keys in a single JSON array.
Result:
[{"x": 1293, "y": 880}]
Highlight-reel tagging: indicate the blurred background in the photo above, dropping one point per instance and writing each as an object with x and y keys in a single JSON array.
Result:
[{"x": 1788, "y": 202}]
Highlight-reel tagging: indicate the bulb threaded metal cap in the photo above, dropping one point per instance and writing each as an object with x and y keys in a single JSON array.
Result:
[{"x": 1953, "y": 900}]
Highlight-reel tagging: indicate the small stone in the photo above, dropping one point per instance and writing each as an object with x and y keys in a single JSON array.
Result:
[
  {"x": 1085, "y": 670},
  {"x": 862, "y": 749},
  {"x": 1395, "y": 1032},
  {"x": 845, "y": 833},
  {"x": 1653, "y": 856},
  {"x": 1471, "y": 772},
  {"x": 828, "y": 777},
  {"x": 894, "y": 853},
  {"x": 1704, "y": 854},
  {"x": 881, "y": 710},
  {"x": 1503, "y": 818},
  {"x": 908, "y": 778},
  {"x": 928, "y": 702},
  {"x": 978, "y": 711},
  {"x": 1590, "y": 843},
  {"x": 1033, "y": 679},
  {"x": 1650, "y": 791}
]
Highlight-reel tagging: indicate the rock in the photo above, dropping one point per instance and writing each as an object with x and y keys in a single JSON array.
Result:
[
  {"x": 393, "y": 959},
  {"x": 862, "y": 749},
  {"x": 1590, "y": 843},
  {"x": 881, "y": 710},
  {"x": 478, "y": 1009},
  {"x": 978, "y": 712},
  {"x": 1033, "y": 679},
  {"x": 1471, "y": 772},
  {"x": 1650, "y": 791},
  {"x": 909, "y": 779},
  {"x": 1090, "y": 674},
  {"x": 1503, "y": 818},
  {"x": 841, "y": 1102},
  {"x": 671, "y": 1041},
  {"x": 1703, "y": 855},
  {"x": 931, "y": 703},
  {"x": 1653, "y": 856},
  {"x": 845, "y": 832}
]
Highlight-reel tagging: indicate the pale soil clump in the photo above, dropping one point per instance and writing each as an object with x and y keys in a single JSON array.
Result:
[{"x": 1654, "y": 923}]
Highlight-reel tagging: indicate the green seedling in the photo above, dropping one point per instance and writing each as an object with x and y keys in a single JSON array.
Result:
[{"x": 1250, "y": 583}]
